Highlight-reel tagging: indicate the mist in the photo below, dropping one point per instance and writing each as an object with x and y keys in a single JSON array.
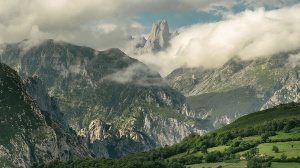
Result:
[{"x": 248, "y": 35}]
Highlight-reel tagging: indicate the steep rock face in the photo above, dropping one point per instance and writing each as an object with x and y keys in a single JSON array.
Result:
[
  {"x": 158, "y": 39},
  {"x": 28, "y": 134},
  {"x": 36, "y": 89},
  {"x": 105, "y": 85},
  {"x": 238, "y": 88},
  {"x": 146, "y": 130},
  {"x": 288, "y": 93}
]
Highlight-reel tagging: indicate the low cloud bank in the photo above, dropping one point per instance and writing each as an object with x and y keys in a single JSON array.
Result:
[
  {"x": 138, "y": 74},
  {"x": 246, "y": 35}
]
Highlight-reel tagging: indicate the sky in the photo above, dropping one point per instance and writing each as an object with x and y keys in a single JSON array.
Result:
[{"x": 211, "y": 31}]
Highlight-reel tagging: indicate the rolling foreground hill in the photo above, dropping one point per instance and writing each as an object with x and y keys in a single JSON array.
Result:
[
  {"x": 115, "y": 102},
  {"x": 29, "y": 134},
  {"x": 261, "y": 139},
  {"x": 239, "y": 87}
]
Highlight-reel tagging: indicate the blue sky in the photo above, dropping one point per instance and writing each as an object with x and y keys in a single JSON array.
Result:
[
  {"x": 211, "y": 31},
  {"x": 176, "y": 19},
  {"x": 103, "y": 24}
]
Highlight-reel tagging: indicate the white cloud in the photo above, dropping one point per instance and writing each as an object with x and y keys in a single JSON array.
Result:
[
  {"x": 137, "y": 74},
  {"x": 97, "y": 23},
  {"x": 247, "y": 35},
  {"x": 294, "y": 60},
  {"x": 103, "y": 24}
]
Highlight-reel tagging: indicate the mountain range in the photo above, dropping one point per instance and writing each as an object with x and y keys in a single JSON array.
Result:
[
  {"x": 115, "y": 102},
  {"x": 239, "y": 87},
  {"x": 88, "y": 103}
]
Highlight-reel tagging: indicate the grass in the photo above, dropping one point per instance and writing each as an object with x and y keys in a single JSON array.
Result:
[
  {"x": 281, "y": 112},
  {"x": 250, "y": 138},
  {"x": 241, "y": 164},
  {"x": 284, "y": 147},
  {"x": 294, "y": 133},
  {"x": 285, "y": 165},
  {"x": 180, "y": 155},
  {"x": 218, "y": 148}
]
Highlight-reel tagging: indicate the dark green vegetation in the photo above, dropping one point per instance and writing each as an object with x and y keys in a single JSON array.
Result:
[
  {"x": 28, "y": 134},
  {"x": 227, "y": 103},
  {"x": 248, "y": 138},
  {"x": 17, "y": 110}
]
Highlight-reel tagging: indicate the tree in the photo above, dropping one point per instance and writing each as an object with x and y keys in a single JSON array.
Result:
[
  {"x": 283, "y": 157},
  {"x": 264, "y": 137},
  {"x": 275, "y": 149},
  {"x": 254, "y": 163},
  {"x": 254, "y": 151},
  {"x": 203, "y": 149},
  {"x": 213, "y": 157},
  {"x": 268, "y": 164}
]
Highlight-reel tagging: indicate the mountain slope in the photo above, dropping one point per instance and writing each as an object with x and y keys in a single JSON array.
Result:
[
  {"x": 131, "y": 101},
  {"x": 28, "y": 134},
  {"x": 240, "y": 86},
  {"x": 243, "y": 140}
]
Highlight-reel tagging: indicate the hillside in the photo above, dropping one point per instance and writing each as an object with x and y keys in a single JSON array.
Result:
[
  {"x": 118, "y": 104},
  {"x": 238, "y": 88},
  {"x": 247, "y": 141},
  {"x": 29, "y": 134}
]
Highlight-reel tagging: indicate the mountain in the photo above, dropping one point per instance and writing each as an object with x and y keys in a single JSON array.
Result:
[
  {"x": 158, "y": 39},
  {"x": 238, "y": 87},
  {"x": 249, "y": 139},
  {"x": 28, "y": 133},
  {"x": 113, "y": 101},
  {"x": 36, "y": 89}
]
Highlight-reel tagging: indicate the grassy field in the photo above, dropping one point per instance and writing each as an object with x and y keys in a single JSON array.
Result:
[
  {"x": 243, "y": 164},
  {"x": 262, "y": 117},
  {"x": 250, "y": 138},
  {"x": 218, "y": 148},
  {"x": 285, "y": 165},
  {"x": 284, "y": 147},
  {"x": 294, "y": 133},
  {"x": 177, "y": 156}
]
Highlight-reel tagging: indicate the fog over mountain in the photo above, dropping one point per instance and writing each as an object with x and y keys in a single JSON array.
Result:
[
  {"x": 245, "y": 28},
  {"x": 247, "y": 35}
]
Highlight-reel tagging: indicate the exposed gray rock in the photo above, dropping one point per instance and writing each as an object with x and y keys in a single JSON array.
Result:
[
  {"x": 27, "y": 133},
  {"x": 158, "y": 39},
  {"x": 288, "y": 93},
  {"x": 238, "y": 87},
  {"x": 36, "y": 89},
  {"x": 144, "y": 132},
  {"x": 107, "y": 86}
]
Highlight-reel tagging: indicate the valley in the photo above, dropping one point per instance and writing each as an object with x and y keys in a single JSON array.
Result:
[
  {"x": 132, "y": 109},
  {"x": 230, "y": 146},
  {"x": 149, "y": 84}
]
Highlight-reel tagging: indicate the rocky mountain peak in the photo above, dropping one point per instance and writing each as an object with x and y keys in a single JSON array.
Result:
[
  {"x": 157, "y": 40},
  {"x": 159, "y": 37},
  {"x": 108, "y": 86},
  {"x": 160, "y": 31}
]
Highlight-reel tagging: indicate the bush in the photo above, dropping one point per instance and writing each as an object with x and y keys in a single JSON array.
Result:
[{"x": 275, "y": 149}]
